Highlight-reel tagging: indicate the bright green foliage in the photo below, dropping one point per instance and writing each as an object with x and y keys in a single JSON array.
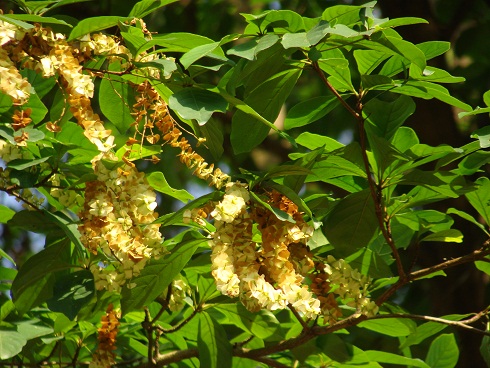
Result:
[{"x": 367, "y": 199}]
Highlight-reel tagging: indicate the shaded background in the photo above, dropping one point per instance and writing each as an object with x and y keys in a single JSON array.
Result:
[{"x": 464, "y": 23}]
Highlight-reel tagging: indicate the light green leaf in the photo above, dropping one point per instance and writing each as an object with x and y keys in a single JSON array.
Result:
[
  {"x": 401, "y": 47},
  {"x": 339, "y": 73},
  {"x": 30, "y": 329},
  {"x": 196, "y": 103},
  {"x": 5, "y": 214},
  {"x": 443, "y": 352},
  {"x": 116, "y": 98},
  {"x": 11, "y": 343},
  {"x": 352, "y": 223},
  {"x": 144, "y": 7},
  {"x": 396, "y": 327},
  {"x": 290, "y": 40},
  {"x": 314, "y": 141},
  {"x": 447, "y": 236},
  {"x": 345, "y": 14},
  {"x": 5, "y": 102},
  {"x": 309, "y": 111},
  {"x": 158, "y": 182},
  {"x": 405, "y": 21},
  {"x": 267, "y": 100},
  {"x": 176, "y": 42},
  {"x": 157, "y": 275},
  {"x": 211, "y": 50},
  {"x": 483, "y": 135},
  {"x": 95, "y": 24},
  {"x": 16, "y": 22},
  {"x": 214, "y": 347}
]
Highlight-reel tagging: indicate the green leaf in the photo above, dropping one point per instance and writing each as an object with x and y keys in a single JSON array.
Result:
[
  {"x": 352, "y": 223},
  {"x": 401, "y": 47},
  {"x": 69, "y": 227},
  {"x": 267, "y": 100},
  {"x": 447, "y": 236},
  {"x": 368, "y": 60},
  {"x": 158, "y": 182},
  {"x": 250, "y": 49},
  {"x": 214, "y": 347},
  {"x": 345, "y": 14},
  {"x": 38, "y": 109},
  {"x": 144, "y": 7},
  {"x": 16, "y": 22},
  {"x": 41, "y": 85},
  {"x": 483, "y": 135},
  {"x": 5, "y": 102},
  {"x": 309, "y": 111},
  {"x": 22, "y": 164},
  {"x": 443, "y": 352},
  {"x": 389, "y": 358},
  {"x": 428, "y": 329},
  {"x": 5, "y": 214},
  {"x": 262, "y": 324},
  {"x": 206, "y": 287},
  {"x": 396, "y": 327},
  {"x": 299, "y": 40},
  {"x": 34, "y": 282},
  {"x": 480, "y": 198},
  {"x": 176, "y": 42},
  {"x": 72, "y": 292},
  {"x": 196, "y": 103},
  {"x": 116, "y": 98},
  {"x": 369, "y": 263},
  {"x": 30, "y": 329},
  {"x": 211, "y": 50},
  {"x": 95, "y": 24},
  {"x": 405, "y": 21},
  {"x": 11, "y": 343},
  {"x": 157, "y": 275},
  {"x": 314, "y": 141},
  {"x": 467, "y": 217},
  {"x": 36, "y": 19},
  {"x": 213, "y": 132},
  {"x": 281, "y": 215},
  {"x": 338, "y": 71},
  {"x": 474, "y": 162}
]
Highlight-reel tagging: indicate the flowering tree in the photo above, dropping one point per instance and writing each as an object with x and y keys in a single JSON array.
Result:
[{"x": 298, "y": 264}]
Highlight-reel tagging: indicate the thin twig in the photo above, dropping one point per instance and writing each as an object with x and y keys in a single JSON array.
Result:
[
  {"x": 180, "y": 325},
  {"x": 298, "y": 317},
  {"x": 464, "y": 324}
]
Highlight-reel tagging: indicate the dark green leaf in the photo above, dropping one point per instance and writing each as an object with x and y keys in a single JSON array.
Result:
[
  {"x": 72, "y": 292},
  {"x": 309, "y": 111},
  {"x": 368, "y": 60},
  {"x": 267, "y": 100},
  {"x": 467, "y": 217},
  {"x": 41, "y": 85},
  {"x": 157, "y": 275},
  {"x": 5, "y": 102},
  {"x": 214, "y": 347},
  {"x": 352, "y": 223},
  {"x": 196, "y": 103},
  {"x": 38, "y": 110},
  {"x": 369, "y": 263},
  {"x": 34, "y": 282},
  {"x": 443, "y": 352},
  {"x": 480, "y": 198},
  {"x": 213, "y": 132},
  {"x": 281, "y": 215},
  {"x": 474, "y": 162}
]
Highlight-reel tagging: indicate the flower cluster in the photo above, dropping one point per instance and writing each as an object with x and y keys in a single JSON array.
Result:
[
  {"x": 11, "y": 82},
  {"x": 151, "y": 110},
  {"x": 117, "y": 220},
  {"x": 104, "y": 356},
  {"x": 274, "y": 273}
]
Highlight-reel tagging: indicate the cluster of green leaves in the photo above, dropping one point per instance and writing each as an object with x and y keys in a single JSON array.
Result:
[{"x": 388, "y": 180}]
